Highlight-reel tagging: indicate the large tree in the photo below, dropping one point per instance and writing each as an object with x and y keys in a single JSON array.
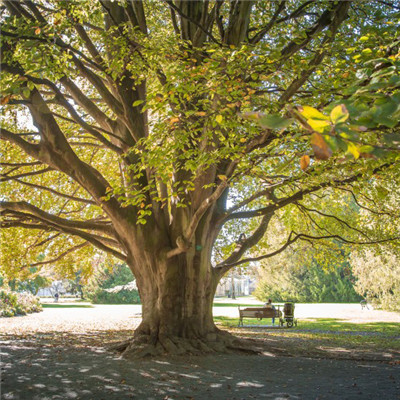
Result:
[{"x": 156, "y": 131}]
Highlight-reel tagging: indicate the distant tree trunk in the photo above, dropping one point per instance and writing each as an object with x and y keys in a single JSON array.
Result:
[{"x": 233, "y": 285}]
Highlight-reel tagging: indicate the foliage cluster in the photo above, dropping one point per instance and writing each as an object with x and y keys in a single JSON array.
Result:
[
  {"x": 120, "y": 274},
  {"x": 308, "y": 284},
  {"x": 32, "y": 284},
  {"x": 108, "y": 278},
  {"x": 124, "y": 296},
  {"x": 378, "y": 277},
  {"x": 14, "y": 303}
]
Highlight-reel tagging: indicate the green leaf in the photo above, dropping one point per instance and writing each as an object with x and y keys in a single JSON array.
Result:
[
  {"x": 332, "y": 142},
  {"x": 366, "y": 149},
  {"x": 219, "y": 118},
  {"x": 137, "y": 103},
  {"x": 392, "y": 139},
  {"x": 382, "y": 120},
  {"x": 394, "y": 80},
  {"x": 339, "y": 114},
  {"x": 274, "y": 121},
  {"x": 382, "y": 192},
  {"x": 312, "y": 113},
  {"x": 26, "y": 92}
]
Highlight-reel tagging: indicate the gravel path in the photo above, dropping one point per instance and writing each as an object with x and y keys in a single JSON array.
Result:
[
  {"x": 122, "y": 317},
  {"x": 54, "y": 373},
  {"x": 60, "y": 354},
  {"x": 75, "y": 320}
]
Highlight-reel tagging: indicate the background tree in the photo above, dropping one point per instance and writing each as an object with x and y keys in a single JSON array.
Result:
[
  {"x": 377, "y": 267},
  {"x": 296, "y": 276},
  {"x": 133, "y": 127},
  {"x": 378, "y": 277}
]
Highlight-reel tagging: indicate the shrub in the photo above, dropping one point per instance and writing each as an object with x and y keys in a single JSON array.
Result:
[
  {"x": 123, "y": 296},
  {"x": 14, "y": 303}
]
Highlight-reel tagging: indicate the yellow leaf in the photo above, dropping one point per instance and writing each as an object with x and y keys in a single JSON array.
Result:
[
  {"x": 219, "y": 118},
  {"x": 201, "y": 114},
  {"x": 312, "y": 113},
  {"x": 304, "y": 162},
  {"x": 339, "y": 114},
  {"x": 222, "y": 177},
  {"x": 243, "y": 140},
  {"x": 251, "y": 115},
  {"x": 352, "y": 148},
  {"x": 37, "y": 31},
  {"x": 173, "y": 120},
  {"x": 318, "y": 125}
]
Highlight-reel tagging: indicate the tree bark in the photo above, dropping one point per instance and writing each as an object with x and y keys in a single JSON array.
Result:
[{"x": 177, "y": 296}]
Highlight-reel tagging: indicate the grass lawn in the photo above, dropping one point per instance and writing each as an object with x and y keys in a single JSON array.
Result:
[
  {"x": 236, "y": 305},
  {"x": 374, "y": 336},
  {"x": 54, "y": 305}
]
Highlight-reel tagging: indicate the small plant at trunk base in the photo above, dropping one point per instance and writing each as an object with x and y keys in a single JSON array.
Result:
[{"x": 123, "y": 134}]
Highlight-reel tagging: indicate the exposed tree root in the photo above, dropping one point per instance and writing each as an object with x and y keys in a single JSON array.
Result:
[{"x": 142, "y": 345}]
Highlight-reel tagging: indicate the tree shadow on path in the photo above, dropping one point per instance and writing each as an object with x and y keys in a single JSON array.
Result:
[{"x": 55, "y": 367}]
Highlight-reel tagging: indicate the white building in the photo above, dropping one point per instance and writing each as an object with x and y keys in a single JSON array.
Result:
[{"x": 239, "y": 285}]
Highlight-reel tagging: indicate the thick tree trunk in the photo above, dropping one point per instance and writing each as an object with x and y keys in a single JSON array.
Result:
[{"x": 177, "y": 296}]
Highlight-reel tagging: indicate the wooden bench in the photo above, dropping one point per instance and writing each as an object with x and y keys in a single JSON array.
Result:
[{"x": 258, "y": 312}]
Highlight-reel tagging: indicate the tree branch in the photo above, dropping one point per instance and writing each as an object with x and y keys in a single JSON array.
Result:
[
  {"x": 62, "y": 255},
  {"x": 183, "y": 15},
  {"x": 32, "y": 173},
  {"x": 335, "y": 218},
  {"x": 95, "y": 240},
  {"x": 259, "y": 35},
  {"x": 291, "y": 239},
  {"x": 338, "y": 16},
  {"x": 190, "y": 231},
  {"x": 22, "y": 206},
  {"x": 246, "y": 244},
  {"x": 67, "y": 196}
]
